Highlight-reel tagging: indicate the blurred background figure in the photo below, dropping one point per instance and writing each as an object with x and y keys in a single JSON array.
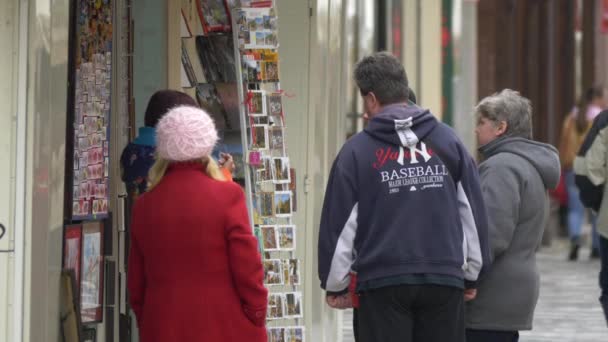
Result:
[{"x": 574, "y": 129}]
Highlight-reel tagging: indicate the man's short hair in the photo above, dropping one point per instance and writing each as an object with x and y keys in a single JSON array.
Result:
[
  {"x": 164, "y": 100},
  {"x": 383, "y": 75}
]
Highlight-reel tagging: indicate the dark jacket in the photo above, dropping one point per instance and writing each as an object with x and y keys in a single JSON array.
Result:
[
  {"x": 136, "y": 160},
  {"x": 403, "y": 198}
]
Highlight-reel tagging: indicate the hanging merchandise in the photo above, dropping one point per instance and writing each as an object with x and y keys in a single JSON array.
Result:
[
  {"x": 214, "y": 15},
  {"x": 91, "y": 109},
  {"x": 270, "y": 181},
  {"x": 233, "y": 71}
]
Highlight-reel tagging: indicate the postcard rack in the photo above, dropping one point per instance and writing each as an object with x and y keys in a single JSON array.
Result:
[{"x": 269, "y": 179}]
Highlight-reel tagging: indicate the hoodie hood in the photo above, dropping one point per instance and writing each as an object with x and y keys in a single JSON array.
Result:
[
  {"x": 543, "y": 157},
  {"x": 401, "y": 125}
]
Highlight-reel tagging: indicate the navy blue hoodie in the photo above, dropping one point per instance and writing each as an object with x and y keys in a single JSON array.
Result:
[{"x": 403, "y": 199}]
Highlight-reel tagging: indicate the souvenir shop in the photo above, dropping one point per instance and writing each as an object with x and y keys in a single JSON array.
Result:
[{"x": 228, "y": 60}]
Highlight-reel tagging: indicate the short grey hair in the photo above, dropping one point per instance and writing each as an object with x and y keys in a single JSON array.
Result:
[
  {"x": 508, "y": 106},
  {"x": 383, "y": 75}
]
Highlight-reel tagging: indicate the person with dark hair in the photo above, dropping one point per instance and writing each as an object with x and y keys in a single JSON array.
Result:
[
  {"x": 352, "y": 289},
  {"x": 575, "y": 128},
  {"x": 138, "y": 156},
  {"x": 403, "y": 210}
]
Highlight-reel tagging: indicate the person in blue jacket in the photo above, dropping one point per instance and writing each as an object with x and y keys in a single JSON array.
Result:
[{"x": 404, "y": 210}]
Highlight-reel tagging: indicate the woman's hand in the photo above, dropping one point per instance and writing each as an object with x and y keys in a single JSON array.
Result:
[{"x": 226, "y": 162}]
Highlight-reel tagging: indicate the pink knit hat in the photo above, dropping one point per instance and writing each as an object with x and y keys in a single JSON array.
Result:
[{"x": 185, "y": 133}]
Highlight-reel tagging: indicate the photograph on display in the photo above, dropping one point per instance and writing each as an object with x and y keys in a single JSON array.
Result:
[
  {"x": 270, "y": 22},
  {"x": 273, "y": 274},
  {"x": 260, "y": 137},
  {"x": 275, "y": 134},
  {"x": 282, "y": 204},
  {"x": 280, "y": 169},
  {"x": 293, "y": 304},
  {"x": 255, "y": 158},
  {"x": 276, "y": 308},
  {"x": 213, "y": 15},
  {"x": 287, "y": 237},
  {"x": 269, "y": 238},
  {"x": 92, "y": 272},
  {"x": 261, "y": 23},
  {"x": 261, "y": 176},
  {"x": 270, "y": 71},
  {"x": 276, "y": 334},
  {"x": 294, "y": 334},
  {"x": 252, "y": 71},
  {"x": 291, "y": 272},
  {"x": 72, "y": 250},
  {"x": 267, "y": 167},
  {"x": 257, "y": 103},
  {"x": 266, "y": 204},
  {"x": 275, "y": 104}
]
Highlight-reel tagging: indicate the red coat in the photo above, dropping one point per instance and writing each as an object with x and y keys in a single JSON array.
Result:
[{"x": 195, "y": 273}]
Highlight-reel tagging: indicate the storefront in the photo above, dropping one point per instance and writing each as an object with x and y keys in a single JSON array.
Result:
[{"x": 105, "y": 65}]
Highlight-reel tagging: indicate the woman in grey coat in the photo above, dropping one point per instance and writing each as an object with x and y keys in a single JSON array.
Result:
[{"x": 515, "y": 175}]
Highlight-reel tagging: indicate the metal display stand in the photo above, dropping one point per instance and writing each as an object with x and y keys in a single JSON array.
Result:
[{"x": 253, "y": 186}]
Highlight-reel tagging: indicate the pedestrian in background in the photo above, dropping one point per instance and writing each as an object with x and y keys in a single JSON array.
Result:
[
  {"x": 195, "y": 273},
  {"x": 575, "y": 128},
  {"x": 403, "y": 209},
  {"x": 594, "y": 166},
  {"x": 516, "y": 173}
]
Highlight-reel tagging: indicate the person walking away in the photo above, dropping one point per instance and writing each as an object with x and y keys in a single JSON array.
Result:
[
  {"x": 594, "y": 166},
  {"x": 575, "y": 128},
  {"x": 403, "y": 209},
  {"x": 195, "y": 273},
  {"x": 516, "y": 173}
]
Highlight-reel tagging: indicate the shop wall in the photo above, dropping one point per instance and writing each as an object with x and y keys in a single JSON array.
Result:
[
  {"x": 422, "y": 51},
  {"x": 9, "y": 39},
  {"x": 46, "y": 96},
  {"x": 150, "y": 52},
  {"x": 464, "y": 85}
]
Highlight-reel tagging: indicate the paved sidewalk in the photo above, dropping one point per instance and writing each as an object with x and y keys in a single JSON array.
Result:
[{"x": 568, "y": 310}]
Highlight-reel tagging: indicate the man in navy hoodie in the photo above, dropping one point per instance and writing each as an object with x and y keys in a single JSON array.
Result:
[{"x": 403, "y": 209}]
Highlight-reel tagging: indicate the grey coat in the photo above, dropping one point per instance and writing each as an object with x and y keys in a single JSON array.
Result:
[{"x": 515, "y": 176}]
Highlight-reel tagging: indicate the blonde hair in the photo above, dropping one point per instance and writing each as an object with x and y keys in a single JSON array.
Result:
[{"x": 158, "y": 170}]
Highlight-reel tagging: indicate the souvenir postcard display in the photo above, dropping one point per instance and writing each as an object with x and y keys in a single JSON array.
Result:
[
  {"x": 271, "y": 178},
  {"x": 230, "y": 64},
  {"x": 92, "y": 104}
]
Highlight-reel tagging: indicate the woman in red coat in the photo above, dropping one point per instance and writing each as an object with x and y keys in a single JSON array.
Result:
[{"x": 195, "y": 273}]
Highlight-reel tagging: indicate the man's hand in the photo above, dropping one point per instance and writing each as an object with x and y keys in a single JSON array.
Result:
[
  {"x": 339, "y": 302},
  {"x": 470, "y": 294}
]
